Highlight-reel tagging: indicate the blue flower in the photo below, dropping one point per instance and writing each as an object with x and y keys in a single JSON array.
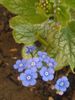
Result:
[
  {"x": 30, "y": 49},
  {"x": 28, "y": 78},
  {"x": 62, "y": 84},
  {"x": 20, "y": 65},
  {"x": 50, "y": 62},
  {"x": 45, "y": 58},
  {"x": 34, "y": 63},
  {"x": 47, "y": 73},
  {"x": 43, "y": 55}
]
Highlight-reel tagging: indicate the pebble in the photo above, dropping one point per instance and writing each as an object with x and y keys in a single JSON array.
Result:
[{"x": 50, "y": 98}]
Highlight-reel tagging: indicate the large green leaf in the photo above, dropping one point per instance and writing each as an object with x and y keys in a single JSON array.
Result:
[
  {"x": 55, "y": 51},
  {"x": 62, "y": 46},
  {"x": 25, "y": 8},
  {"x": 72, "y": 11},
  {"x": 70, "y": 3},
  {"x": 67, "y": 43},
  {"x": 61, "y": 60},
  {"x": 24, "y": 32},
  {"x": 49, "y": 33}
]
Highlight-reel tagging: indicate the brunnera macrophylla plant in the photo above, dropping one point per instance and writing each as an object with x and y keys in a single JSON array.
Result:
[{"x": 52, "y": 23}]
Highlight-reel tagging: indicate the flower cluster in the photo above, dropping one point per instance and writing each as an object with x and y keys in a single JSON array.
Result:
[
  {"x": 30, "y": 49},
  {"x": 40, "y": 64}
]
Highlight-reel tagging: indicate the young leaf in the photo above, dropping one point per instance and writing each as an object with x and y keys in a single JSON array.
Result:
[{"x": 24, "y": 54}]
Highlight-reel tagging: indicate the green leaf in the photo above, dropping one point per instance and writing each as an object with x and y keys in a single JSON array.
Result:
[
  {"x": 72, "y": 11},
  {"x": 24, "y": 32},
  {"x": 52, "y": 47},
  {"x": 62, "y": 15},
  {"x": 70, "y": 3},
  {"x": 67, "y": 43},
  {"x": 25, "y": 8},
  {"x": 55, "y": 52},
  {"x": 21, "y": 38},
  {"x": 52, "y": 1},
  {"x": 61, "y": 60},
  {"x": 62, "y": 46}
]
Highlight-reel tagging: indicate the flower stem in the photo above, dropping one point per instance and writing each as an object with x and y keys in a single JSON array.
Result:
[{"x": 42, "y": 40}]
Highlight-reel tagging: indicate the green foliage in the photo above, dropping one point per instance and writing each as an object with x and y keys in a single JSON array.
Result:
[
  {"x": 62, "y": 15},
  {"x": 70, "y": 3},
  {"x": 25, "y": 8},
  {"x": 67, "y": 43},
  {"x": 23, "y": 32},
  {"x": 50, "y": 22}
]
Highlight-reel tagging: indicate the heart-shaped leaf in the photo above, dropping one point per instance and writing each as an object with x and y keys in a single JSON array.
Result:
[{"x": 67, "y": 43}]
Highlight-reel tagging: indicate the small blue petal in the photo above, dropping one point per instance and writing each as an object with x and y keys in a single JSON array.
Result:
[
  {"x": 58, "y": 81},
  {"x": 15, "y": 66},
  {"x": 51, "y": 77},
  {"x": 35, "y": 75},
  {"x": 25, "y": 83},
  {"x": 22, "y": 76},
  {"x": 39, "y": 65},
  {"x": 64, "y": 78},
  {"x": 51, "y": 70},
  {"x": 18, "y": 62},
  {"x": 42, "y": 55},
  {"x": 23, "y": 61},
  {"x": 20, "y": 69},
  {"x": 36, "y": 59},
  {"x": 34, "y": 69},
  {"x": 57, "y": 87},
  {"x": 63, "y": 89},
  {"x": 33, "y": 82},
  {"x": 67, "y": 84},
  {"x": 45, "y": 78},
  {"x": 28, "y": 71},
  {"x": 42, "y": 71}
]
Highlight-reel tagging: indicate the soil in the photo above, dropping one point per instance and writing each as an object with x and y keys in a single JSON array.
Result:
[{"x": 10, "y": 88}]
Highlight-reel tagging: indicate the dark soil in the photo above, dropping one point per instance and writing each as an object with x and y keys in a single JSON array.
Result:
[{"x": 10, "y": 88}]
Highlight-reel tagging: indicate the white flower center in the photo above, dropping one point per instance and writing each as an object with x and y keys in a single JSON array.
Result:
[
  {"x": 46, "y": 73},
  {"x": 33, "y": 64},
  {"x": 21, "y": 65},
  {"x": 43, "y": 56},
  {"x": 62, "y": 83},
  {"x": 28, "y": 77}
]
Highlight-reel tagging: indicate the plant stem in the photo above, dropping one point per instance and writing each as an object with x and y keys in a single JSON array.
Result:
[
  {"x": 68, "y": 72},
  {"x": 42, "y": 40}
]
